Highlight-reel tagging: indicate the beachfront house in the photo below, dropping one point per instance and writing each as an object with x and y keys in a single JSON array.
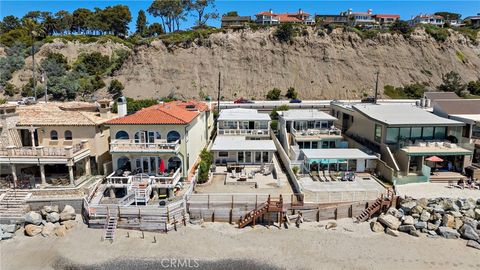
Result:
[
  {"x": 163, "y": 140},
  {"x": 466, "y": 111},
  {"x": 307, "y": 129},
  {"x": 332, "y": 19},
  {"x": 243, "y": 137},
  {"x": 406, "y": 137},
  {"x": 54, "y": 144},
  {"x": 431, "y": 19},
  {"x": 268, "y": 18},
  {"x": 337, "y": 160},
  {"x": 474, "y": 21}
]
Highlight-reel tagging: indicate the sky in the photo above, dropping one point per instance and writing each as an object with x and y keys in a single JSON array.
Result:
[{"x": 406, "y": 8}]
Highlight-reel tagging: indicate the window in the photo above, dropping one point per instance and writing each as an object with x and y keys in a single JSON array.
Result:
[
  {"x": 258, "y": 157},
  {"x": 404, "y": 133},
  {"x": 121, "y": 135},
  {"x": 392, "y": 135},
  {"x": 440, "y": 133},
  {"x": 416, "y": 133},
  {"x": 68, "y": 135},
  {"x": 314, "y": 145},
  {"x": 248, "y": 157},
  {"x": 53, "y": 135},
  {"x": 265, "y": 157},
  {"x": 428, "y": 133},
  {"x": 378, "y": 133},
  {"x": 173, "y": 136},
  {"x": 223, "y": 154},
  {"x": 123, "y": 163},
  {"x": 240, "y": 157}
]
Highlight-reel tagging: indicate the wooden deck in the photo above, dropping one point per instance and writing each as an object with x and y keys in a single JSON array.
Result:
[{"x": 446, "y": 177}]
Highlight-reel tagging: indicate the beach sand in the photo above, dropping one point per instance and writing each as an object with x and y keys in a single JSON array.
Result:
[{"x": 349, "y": 246}]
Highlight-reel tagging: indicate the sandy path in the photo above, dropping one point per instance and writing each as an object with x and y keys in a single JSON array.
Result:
[{"x": 350, "y": 246}]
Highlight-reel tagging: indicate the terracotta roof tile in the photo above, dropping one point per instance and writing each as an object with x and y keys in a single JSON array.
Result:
[{"x": 171, "y": 113}]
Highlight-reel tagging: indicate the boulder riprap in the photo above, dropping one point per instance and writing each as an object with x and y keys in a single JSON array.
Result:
[
  {"x": 60, "y": 231},
  {"x": 473, "y": 244},
  {"x": 33, "y": 218},
  {"x": 49, "y": 209},
  {"x": 69, "y": 224},
  {"x": 437, "y": 217},
  {"x": 32, "y": 230},
  {"x": 48, "y": 229},
  {"x": 68, "y": 213}
]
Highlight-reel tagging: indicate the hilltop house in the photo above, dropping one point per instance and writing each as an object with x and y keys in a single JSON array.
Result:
[
  {"x": 243, "y": 137},
  {"x": 436, "y": 20},
  {"x": 474, "y": 20},
  {"x": 386, "y": 19},
  {"x": 235, "y": 21},
  {"x": 360, "y": 19},
  {"x": 161, "y": 139},
  {"x": 332, "y": 19},
  {"x": 405, "y": 136},
  {"x": 268, "y": 17},
  {"x": 55, "y": 143}
]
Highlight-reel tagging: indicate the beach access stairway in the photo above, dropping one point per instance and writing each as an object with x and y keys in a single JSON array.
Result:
[
  {"x": 270, "y": 206},
  {"x": 111, "y": 224},
  {"x": 13, "y": 206},
  {"x": 381, "y": 204}
]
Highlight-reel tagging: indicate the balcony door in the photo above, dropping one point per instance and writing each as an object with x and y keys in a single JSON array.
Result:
[
  {"x": 144, "y": 136},
  {"x": 149, "y": 165}
]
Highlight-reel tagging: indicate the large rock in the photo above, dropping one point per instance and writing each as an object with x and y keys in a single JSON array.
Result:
[
  {"x": 376, "y": 227},
  {"x": 9, "y": 228},
  {"x": 449, "y": 204},
  {"x": 406, "y": 228},
  {"x": 52, "y": 217},
  {"x": 48, "y": 229},
  {"x": 407, "y": 206},
  {"x": 423, "y": 202},
  {"x": 60, "y": 231},
  {"x": 68, "y": 213},
  {"x": 49, "y": 209},
  {"x": 477, "y": 213},
  {"x": 408, "y": 220},
  {"x": 33, "y": 218},
  {"x": 448, "y": 221},
  {"x": 469, "y": 213},
  {"x": 448, "y": 233},
  {"x": 473, "y": 244},
  {"x": 32, "y": 230},
  {"x": 458, "y": 223},
  {"x": 421, "y": 225},
  {"x": 6, "y": 235},
  {"x": 392, "y": 232},
  {"x": 433, "y": 226},
  {"x": 467, "y": 232},
  {"x": 389, "y": 221},
  {"x": 425, "y": 216},
  {"x": 415, "y": 233}
]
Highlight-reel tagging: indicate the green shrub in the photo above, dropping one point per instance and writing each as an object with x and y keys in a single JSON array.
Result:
[
  {"x": 439, "y": 34},
  {"x": 136, "y": 105},
  {"x": 115, "y": 88},
  {"x": 188, "y": 36},
  {"x": 460, "y": 56},
  {"x": 93, "y": 63},
  {"x": 474, "y": 87},
  {"x": 291, "y": 93},
  {"x": 274, "y": 94},
  {"x": 10, "y": 89},
  {"x": 3, "y": 100},
  {"x": 295, "y": 169},
  {"x": 204, "y": 166},
  {"x": 415, "y": 90},
  {"x": 55, "y": 64},
  {"x": 274, "y": 113},
  {"x": 401, "y": 27},
  {"x": 285, "y": 33}
]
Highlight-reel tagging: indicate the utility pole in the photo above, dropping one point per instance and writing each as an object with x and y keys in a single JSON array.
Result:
[
  {"x": 44, "y": 79},
  {"x": 376, "y": 88},
  {"x": 33, "y": 70},
  {"x": 218, "y": 94}
]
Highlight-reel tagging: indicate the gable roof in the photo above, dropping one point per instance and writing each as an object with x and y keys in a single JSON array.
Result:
[{"x": 171, "y": 113}]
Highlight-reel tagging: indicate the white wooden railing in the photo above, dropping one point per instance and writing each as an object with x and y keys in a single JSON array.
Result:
[{"x": 156, "y": 146}]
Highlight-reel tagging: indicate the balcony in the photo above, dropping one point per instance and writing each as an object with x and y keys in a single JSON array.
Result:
[
  {"x": 244, "y": 132},
  {"x": 131, "y": 146},
  {"x": 166, "y": 180},
  {"x": 440, "y": 148},
  {"x": 317, "y": 134},
  {"x": 44, "y": 155}
]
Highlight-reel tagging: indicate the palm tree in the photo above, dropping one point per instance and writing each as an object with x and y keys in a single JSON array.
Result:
[{"x": 34, "y": 30}]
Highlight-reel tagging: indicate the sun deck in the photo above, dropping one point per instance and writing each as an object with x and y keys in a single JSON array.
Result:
[
  {"x": 132, "y": 146},
  {"x": 444, "y": 149}
]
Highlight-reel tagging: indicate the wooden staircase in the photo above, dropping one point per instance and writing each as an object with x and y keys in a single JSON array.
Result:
[
  {"x": 383, "y": 202},
  {"x": 268, "y": 206},
  {"x": 13, "y": 205},
  {"x": 111, "y": 224}
]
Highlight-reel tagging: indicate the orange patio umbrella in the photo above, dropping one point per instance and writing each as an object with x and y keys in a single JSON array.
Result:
[{"x": 434, "y": 159}]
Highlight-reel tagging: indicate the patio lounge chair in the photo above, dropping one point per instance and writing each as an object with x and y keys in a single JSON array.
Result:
[
  {"x": 325, "y": 178},
  {"x": 343, "y": 176},
  {"x": 351, "y": 176}
]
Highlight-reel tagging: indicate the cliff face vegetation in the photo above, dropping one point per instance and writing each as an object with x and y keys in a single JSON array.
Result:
[{"x": 335, "y": 65}]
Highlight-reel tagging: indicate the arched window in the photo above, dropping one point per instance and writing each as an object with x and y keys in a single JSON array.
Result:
[
  {"x": 122, "y": 135},
  {"x": 173, "y": 136},
  {"x": 68, "y": 135},
  {"x": 123, "y": 163},
  {"x": 174, "y": 163},
  {"x": 53, "y": 135}
]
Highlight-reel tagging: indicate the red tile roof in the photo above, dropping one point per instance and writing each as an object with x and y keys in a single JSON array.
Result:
[{"x": 171, "y": 113}]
